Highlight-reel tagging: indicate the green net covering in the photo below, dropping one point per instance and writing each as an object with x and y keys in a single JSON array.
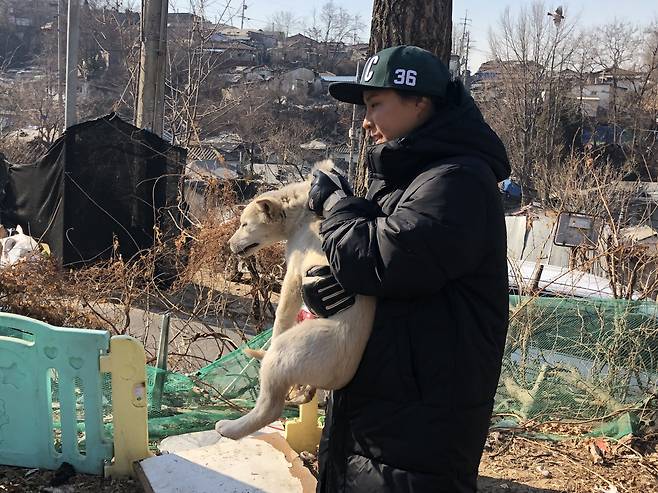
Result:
[
  {"x": 566, "y": 359},
  {"x": 575, "y": 359},
  {"x": 225, "y": 389}
]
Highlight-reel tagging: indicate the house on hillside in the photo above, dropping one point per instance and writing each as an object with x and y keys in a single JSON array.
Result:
[
  {"x": 185, "y": 19},
  {"x": 265, "y": 39},
  {"x": 227, "y": 147},
  {"x": 359, "y": 52},
  {"x": 234, "y": 34},
  {"x": 599, "y": 90},
  {"x": 486, "y": 82},
  {"x": 296, "y": 50},
  {"x": 300, "y": 82},
  {"x": 278, "y": 174},
  {"x": 24, "y": 14},
  {"x": 625, "y": 79},
  {"x": 596, "y": 99},
  {"x": 257, "y": 73},
  {"x": 231, "y": 53},
  {"x": 300, "y": 38},
  {"x": 340, "y": 155},
  {"x": 315, "y": 150}
]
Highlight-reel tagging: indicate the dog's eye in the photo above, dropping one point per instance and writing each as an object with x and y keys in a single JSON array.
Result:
[{"x": 243, "y": 225}]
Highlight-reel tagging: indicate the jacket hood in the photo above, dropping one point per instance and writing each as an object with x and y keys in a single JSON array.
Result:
[{"x": 458, "y": 130}]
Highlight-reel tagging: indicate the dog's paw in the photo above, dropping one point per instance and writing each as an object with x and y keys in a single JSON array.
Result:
[
  {"x": 227, "y": 428},
  {"x": 300, "y": 394}
]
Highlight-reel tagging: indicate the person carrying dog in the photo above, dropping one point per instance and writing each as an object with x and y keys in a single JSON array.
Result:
[{"x": 428, "y": 241}]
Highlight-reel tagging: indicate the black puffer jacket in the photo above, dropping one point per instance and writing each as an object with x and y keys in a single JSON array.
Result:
[{"x": 429, "y": 242}]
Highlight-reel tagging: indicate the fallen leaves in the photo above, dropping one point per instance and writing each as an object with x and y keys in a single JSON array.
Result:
[
  {"x": 573, "y": 465},
  {"x": 598, "y": 450}
]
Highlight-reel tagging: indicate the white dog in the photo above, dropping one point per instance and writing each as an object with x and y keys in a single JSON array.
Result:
[
  {"x": 322, "y": 353},
  {"x": 17, "y": 247}
]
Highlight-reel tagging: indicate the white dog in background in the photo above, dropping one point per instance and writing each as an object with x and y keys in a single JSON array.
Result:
[
  {"x": 16, "y": 247},
  {"x": 323, "y": 353}
]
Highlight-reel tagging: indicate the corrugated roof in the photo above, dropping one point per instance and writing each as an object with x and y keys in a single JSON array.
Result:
[
  {"x": 203, "y": 153},
  {"x": 342, "y": 149}
]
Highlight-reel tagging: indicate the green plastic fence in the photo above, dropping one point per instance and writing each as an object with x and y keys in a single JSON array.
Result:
[{"x": 50, "y": 396}]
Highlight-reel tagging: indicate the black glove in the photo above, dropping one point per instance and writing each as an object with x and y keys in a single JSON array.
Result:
[
  {"x": 324, "y": 297},
  {"x": 327, "y": 188}
]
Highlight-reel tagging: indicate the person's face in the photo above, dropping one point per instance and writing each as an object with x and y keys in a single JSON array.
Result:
[{"x": 389, "y": 116}]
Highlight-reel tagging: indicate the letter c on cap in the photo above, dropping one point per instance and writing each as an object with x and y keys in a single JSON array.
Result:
[{"x": 368, "y": 72}]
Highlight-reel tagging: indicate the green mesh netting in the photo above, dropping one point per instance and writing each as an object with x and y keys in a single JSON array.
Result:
[
  {"x": 566, "y": 359},
  {"x": 225, "y": 389},
  {"x": 574, "y": 359}
]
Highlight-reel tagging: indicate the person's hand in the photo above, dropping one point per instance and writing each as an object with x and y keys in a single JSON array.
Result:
[
  {"x": 324, "y": 296},
  {"x": 327, "y": 188}
]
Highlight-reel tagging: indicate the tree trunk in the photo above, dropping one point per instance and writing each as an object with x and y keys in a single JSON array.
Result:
[{"x": 423, "y": 23}]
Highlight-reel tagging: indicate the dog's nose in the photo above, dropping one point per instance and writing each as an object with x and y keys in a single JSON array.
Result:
[{"x": 231, "y": 243}]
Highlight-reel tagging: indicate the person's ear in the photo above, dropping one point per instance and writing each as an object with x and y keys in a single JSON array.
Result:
[
  {"x": 425, "y": 103},
  {"x": 424, "y": 106}
]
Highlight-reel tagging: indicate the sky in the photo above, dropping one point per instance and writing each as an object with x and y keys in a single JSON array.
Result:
[{"x": 482, "y": 14}]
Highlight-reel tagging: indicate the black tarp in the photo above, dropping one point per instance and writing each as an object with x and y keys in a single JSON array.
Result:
[{"x": 102, "y": 178}]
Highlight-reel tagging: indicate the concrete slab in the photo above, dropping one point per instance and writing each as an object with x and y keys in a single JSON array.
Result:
[{"x": 204, "y": 462}]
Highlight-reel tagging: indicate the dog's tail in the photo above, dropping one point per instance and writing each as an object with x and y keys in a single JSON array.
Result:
[{"x": 255, "y": 353}]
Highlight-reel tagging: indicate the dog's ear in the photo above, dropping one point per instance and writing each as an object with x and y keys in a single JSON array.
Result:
[
  {"x": 8, "y": 245},
  {"x": 271, "y": 207}
]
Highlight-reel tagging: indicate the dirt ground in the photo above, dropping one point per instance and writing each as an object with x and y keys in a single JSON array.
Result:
[
  {"x": 510, "y": 464},
  {"x": 517, "y": 464},
  {"x": 17, "y": 480}
]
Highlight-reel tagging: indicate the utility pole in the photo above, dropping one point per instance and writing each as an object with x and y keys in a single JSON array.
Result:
[
  {"x": 149, "y": 112},
  {"x": 353, "y": 136},
  {"x": 244, "y": 7},
  {"x": 466, "y": 76},
  {"x": 61, "y": 52},
  {"x": 463, "y": 47},
  {"x": 72, "y": 44}
]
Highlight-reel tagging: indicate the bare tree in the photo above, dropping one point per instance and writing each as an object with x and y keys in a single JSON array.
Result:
[
  {"x": 530, "y": 53},
  {"x": 276, "y": 129},
  {"x": 192, "y": 85},
  {"x": 284, "y": 22},
  {"x": 635, "y": 109},
  {"x": 581, "y": 64},
  {"x": 333, "y": 27},
  {"x": 616, "y": 47},
  {"x": 34, "y": 104}
]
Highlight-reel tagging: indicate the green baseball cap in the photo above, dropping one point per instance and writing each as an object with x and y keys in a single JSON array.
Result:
[{"x": 404, "y": 68}]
